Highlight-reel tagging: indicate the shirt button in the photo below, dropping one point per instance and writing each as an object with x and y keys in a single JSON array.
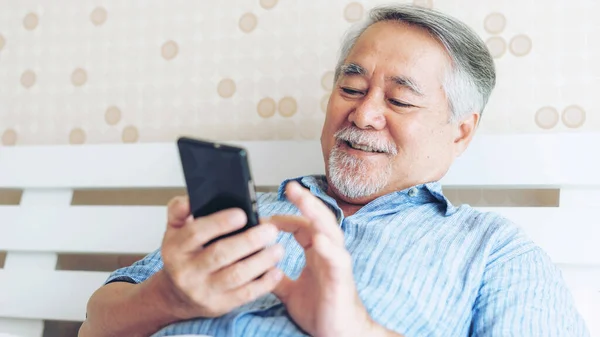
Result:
[{"x": 413, "y": 192}]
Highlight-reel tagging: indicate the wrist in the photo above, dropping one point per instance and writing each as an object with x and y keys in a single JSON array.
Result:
[
  {"x": 160, "y": 289},
  {"x": 373, "y": 329}
]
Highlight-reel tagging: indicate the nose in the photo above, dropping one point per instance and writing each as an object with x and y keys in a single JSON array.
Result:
[{"x": 369, "y": 112}]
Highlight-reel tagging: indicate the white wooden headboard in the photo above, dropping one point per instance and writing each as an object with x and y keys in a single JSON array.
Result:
[{"x": 45, "y": 223}]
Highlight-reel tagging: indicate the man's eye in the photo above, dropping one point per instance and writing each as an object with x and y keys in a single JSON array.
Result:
[
  {"x": 352, "y": 92},
  {"x": 400, "y": 104}
]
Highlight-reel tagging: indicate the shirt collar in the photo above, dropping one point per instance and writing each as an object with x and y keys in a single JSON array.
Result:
[{"x": 419, "y": 194}]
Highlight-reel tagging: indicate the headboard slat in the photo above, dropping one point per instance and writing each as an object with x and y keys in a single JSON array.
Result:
[
  {"x": 540, "y": 161},
  {"x": 569, "y": 235}
]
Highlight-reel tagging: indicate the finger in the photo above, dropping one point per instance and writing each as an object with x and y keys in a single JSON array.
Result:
[
  {"x": 196, "y": 233},
  {"x": 226, "y": 251},
  {"x": 315, "y": 210},
  {"x": 283, "y": 289},
  {"x": 298, "y": 226},
  {"x": 335, "y": 262},
  {"x": 325, "y": 249},
  {"x": 178, "y": 210},
  {"x": 247, "y": 270},
  {"x": 253, "y": 290}
]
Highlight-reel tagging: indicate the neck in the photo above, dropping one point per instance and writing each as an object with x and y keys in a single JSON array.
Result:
[
  {"x": 351, "y": 206},
  {"x": 348, "y": 207}
]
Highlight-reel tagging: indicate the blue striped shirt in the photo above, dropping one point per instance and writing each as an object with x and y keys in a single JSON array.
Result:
[{"x": 422, "y": 267}]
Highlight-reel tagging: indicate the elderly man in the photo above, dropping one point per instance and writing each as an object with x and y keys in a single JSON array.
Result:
[{"x": 373, "y": 248}]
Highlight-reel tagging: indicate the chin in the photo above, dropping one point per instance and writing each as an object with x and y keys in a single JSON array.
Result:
[{"x": 354, "y": 177}]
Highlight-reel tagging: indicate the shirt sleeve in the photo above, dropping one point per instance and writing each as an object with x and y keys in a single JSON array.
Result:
[
  {"x": 139, "y": 271},
  {"x": 525, "y": 295},
  {"x": 152, "y": 263}
]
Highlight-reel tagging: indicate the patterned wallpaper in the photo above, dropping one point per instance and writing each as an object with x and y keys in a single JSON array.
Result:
[{"x": 106, "y": 71}]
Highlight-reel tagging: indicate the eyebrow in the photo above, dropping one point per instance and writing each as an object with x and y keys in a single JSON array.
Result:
[
  {"x": 408, "y": 83},
  {"x": 353, "y": 69}
]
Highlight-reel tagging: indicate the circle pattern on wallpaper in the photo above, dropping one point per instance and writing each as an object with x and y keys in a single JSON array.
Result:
[
  {"x": 521, "y": 45},
  {"x": 309, "y": 129},
  {"x": 495, "y": 23},
  {"x": 573, "y": 116},
  {"x": 423, "y": 3},
  {"x": 2, "y": 41},
  {"x": 327, "y": 80},
  {"x": 266, "y": 107},
  {"x": 265, "y": 130},
  {"x": 325, "y": 102},
  {"x": 546, "y": 118},
  {"x": 130, "y": 134},
  {"x": 77, "y": 136},
  {"x": 497, "y": 46},
  {"x": 169, "y": 50},
  {"x": 353, "y": 12},
  {"x": 226, "y": 88},
  {"x": 30, "y": 21},
  {"x": 248, "y": 22},
  {"x": 268, "y": 4},
  {"x": 28, "y": 79},
  {"x": 287, "y": 106},
  {"x": 79, "y": 77},
  {"x": 98, "y": 16},
  {"x": 9, "y": 137},
  {"x": 286, "y": 129},
  {"x": 112, "y": 115}
]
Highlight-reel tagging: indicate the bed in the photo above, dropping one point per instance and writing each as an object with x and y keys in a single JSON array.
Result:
[{"x": 45, "y": 223}]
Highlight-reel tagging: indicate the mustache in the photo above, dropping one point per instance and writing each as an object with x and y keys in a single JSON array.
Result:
[{"x": 365, "y": 138}]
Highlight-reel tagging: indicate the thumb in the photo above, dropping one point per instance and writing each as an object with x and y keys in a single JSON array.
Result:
[
  {"x": 178, "y": 212},
  {"x": 283, "y": 289}
]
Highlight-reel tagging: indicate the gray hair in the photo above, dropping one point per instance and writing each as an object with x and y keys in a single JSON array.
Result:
[{"x": 472, "y": 77}]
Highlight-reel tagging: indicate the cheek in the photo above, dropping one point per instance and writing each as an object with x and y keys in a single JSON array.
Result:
[
  {"x": 418, "y": 141},
  {"x": 334, "y": 120},
  {"x": 337, "y": 114},
  {"x": 337, "y": 105},
  {"x": 438, "y": 145},
  {"x": 407, "y": 134}
]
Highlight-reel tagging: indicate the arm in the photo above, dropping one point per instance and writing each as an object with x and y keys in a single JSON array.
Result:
[
  {"x": 126, "y": 309},
  {"x": 195, "y": 280},
  {"x": 525, "y": 295},
  {"x": 377, "y": 330}
]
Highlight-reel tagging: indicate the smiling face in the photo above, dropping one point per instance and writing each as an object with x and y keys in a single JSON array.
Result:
[{"x": 387, "y": 126}]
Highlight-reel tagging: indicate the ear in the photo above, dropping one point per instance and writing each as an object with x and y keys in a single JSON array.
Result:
[{"x": 464, "y": 132}]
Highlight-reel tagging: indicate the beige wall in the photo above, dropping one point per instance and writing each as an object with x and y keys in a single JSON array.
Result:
[
  {"x": 102, "y": 71},
  {"x": 110, "y": 71}
]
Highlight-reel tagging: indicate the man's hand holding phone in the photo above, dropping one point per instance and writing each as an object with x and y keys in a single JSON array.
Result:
[{"x": 209, "y": 281}]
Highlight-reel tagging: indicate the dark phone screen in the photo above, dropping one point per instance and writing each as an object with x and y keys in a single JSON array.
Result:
[{"x": 217, "y": 178}]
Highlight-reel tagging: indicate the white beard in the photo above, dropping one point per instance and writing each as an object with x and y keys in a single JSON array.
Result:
[{"x": 353, "y": 177}]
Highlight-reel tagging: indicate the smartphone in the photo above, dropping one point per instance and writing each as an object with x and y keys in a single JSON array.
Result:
[{"x": 217, "y": 177}]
